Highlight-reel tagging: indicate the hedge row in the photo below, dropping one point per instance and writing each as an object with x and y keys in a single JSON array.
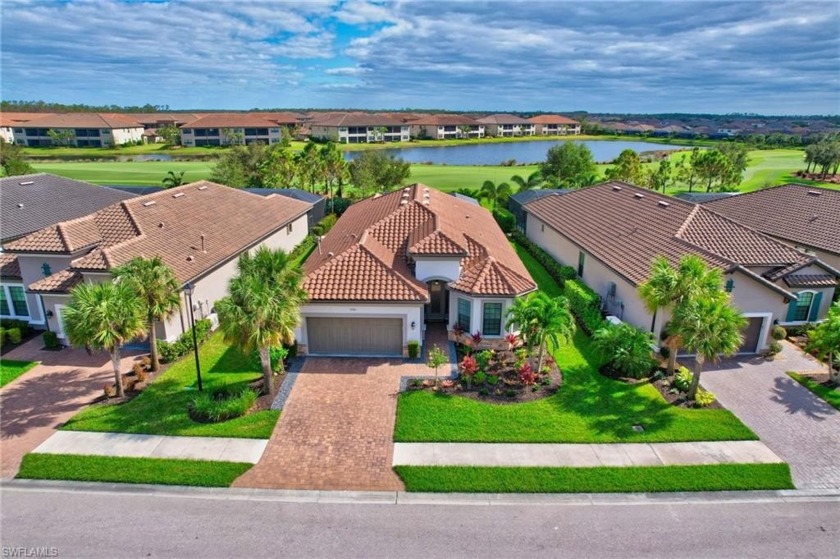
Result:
[
  {"x": 585, "y": 304},
  {"x": 172, "y": 351}
]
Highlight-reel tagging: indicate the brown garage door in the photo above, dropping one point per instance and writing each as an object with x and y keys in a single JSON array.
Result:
[
  {"x": 751, "y": 334},
  {"x": 354, "y": 336}
]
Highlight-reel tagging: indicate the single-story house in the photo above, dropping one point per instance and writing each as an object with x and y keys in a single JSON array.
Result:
[
  {"x": 446, "y": 126},
  {"x": 804, "y": 216},
  {"x": 507, "y": 125},
  {"x": 395, "y": 263},
  {"x": 555, "y": 125},
  {"x": 198, "y": 229},
  {"x": 30, "y": 203},
  {"x": 516, "y": 203},
  {"x": 79, "y": 130},
  {"x": 613, "y": 231}
]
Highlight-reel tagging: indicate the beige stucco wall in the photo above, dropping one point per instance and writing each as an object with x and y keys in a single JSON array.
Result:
[
  {"x": 31, "y": 270},
  {"x": 123, "y": 135}
]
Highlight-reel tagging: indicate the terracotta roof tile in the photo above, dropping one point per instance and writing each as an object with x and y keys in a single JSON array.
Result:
[
  {"x": 59, "y": 282},
  {"x": 503, "y": 119},
  {"x": 232, "y": 120},
  {"x": 811, "y": 280},
  {"x": 9, "y": 267},
  {"x": 84, "y": 120},
  {"x": 552, "y": 119},
  {"x": 444, "y": 120}
]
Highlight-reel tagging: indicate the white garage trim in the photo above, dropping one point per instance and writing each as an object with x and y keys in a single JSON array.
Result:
[
  {"x": 765, "y": 330},
  {"x": 357, "y": 332}
]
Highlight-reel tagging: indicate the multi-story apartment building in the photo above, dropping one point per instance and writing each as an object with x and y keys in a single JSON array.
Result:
[
  {"x": 445, "y": 127},
  {"x": 78, "y": 129},
  {"x": 359, "y": 128},
  {"x": 555, "y": 125},
  {"x": 507, "y": 125},
  {"x": 230, "y": 128}
]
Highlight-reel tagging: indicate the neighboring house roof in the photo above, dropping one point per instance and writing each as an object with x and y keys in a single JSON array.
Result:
[
  {"x": 9, "y": 267},
  {"x": 10, "y": 119},
  {"x": 626, "y": 227},
  {"x": 155, "y": 118},
  {"x": 84, "y": 120},
  {"x": 367, "y": 255},
  {"x": 32, "y": 202},
  {"x": 231, "y": 120},
  {"x": 136, "y": 190},
  {"x": 193, "y": 228},
  {"x": 801, "y": 214},
  {"x": 703, "y": 197},
  {"x": 356, "y": 119},
  {"x": 59, "y": 282},
  {"x": 296, "y": 193},
  {"x": 444, "y": 120},
  {"x": 552, "y": 119},
  {"x": 525, "y": 196},
  {"x": 503, "y": 119}
]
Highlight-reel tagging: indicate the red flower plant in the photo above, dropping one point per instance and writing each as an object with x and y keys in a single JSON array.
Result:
[
  {"x": 527, "y": 375},
  {"x": 512, "y": 340},
  {"x": 476, "y": 338},
  {"x": 469, "y": 366}
]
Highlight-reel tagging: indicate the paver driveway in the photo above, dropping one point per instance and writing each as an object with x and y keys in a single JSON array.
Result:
[
  {"x": 37, "y": 403},
  {"x": 797, "y": 425},
  {"x": 336, "y": 430}
]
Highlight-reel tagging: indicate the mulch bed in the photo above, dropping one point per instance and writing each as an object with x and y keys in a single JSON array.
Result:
[{"x": 677, "y": 398}]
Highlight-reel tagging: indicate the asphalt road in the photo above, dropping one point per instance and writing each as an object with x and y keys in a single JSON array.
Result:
[{"x": 120, "y": 523}]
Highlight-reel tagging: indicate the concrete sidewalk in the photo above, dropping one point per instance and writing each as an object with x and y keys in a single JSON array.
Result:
[
  {"x": 582, "y": 455},
  {"x": 154, "y": 446}
]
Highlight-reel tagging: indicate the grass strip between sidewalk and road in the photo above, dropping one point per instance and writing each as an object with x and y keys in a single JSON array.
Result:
[
  {"x": 197, "y": 473},
  {"x": 830, "y": 394},
  {"x": 10, "y": 370},
  {"x": 475, "y": 479}
]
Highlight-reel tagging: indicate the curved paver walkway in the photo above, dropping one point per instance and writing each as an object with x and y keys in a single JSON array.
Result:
[
  {"x": 797, "y": 425},
  {"x": 38, "y": 402}
]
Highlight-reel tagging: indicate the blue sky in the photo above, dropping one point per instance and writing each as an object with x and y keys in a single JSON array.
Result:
[{"x": 765, "y": 57}]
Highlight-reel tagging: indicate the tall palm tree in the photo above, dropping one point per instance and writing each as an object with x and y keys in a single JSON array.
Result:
[
  {"x": 710, "y": 327},
  {"x": 155, "y": 283},
  {"x": 552, "y": 321},
  {"x": 521, "y": 316},
  {"x": 533, "y": 181},
  {"x": 495, "y": 193},
  {"x": 104, "y": 316},
  {"x": 262, "y": 309},
  {"x": 171, "y": 180}
]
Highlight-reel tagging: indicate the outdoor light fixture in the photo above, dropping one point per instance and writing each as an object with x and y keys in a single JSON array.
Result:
[
  {"x": 189, "y": 289},
  {"x": 413, "y": 325},
  {"x": 50, "y": 314}
]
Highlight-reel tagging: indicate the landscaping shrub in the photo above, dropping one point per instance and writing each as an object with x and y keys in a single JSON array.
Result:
[
  {"x": 22, "y": 325},
  {"x": 682, "y": 379},
  {"x": 338, "y": 205},
  {"x": 483, "y": 358},
  {"x": 171, "y": 351},
  {"x": 778, "y": 333},
  {"x": 625, "y": 350},
  {"x": 704, "y": 398},
  {"x": 505, "y": 219},
  {"x": 558, "y": 272},
  {"x": 50, "y": 340},
  {"x": 276, "y": 355},
  {"x": 492, "y": 380},
  {"x": 167, "y": 352},
  {"x": 585, "y": 304},
  {"x": 14, "y": 335},
  {"x": 413, "y": 349},
  {"x": 774, "y": 348},
  {"x": 220, "y": 406},
  {"x": 480, "y": 377},
  {"x": 2, "y": 337},
  {"x": 527, "y": 375}
]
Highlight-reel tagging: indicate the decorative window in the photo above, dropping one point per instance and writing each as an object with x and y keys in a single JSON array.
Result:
[
  {"x": 492, "y": 319},
  {"x": 803, "y": 306},
  {"x": 581, "y": 259},
  {"x": 46, "y": 269},
  {"x": 730, "y": 285},
  {"x": 13, "y": 301},
  {"x": 464, "y": 314}
]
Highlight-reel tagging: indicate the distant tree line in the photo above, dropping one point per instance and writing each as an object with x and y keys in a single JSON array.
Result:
[
  {"x": 823, "y": 156},
  {"x": 20, "y": 106}
]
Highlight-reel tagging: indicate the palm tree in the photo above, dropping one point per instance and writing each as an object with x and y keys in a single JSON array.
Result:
[
  {"x": 262, "y": 309},
  {"x": 551, "y": 320},
  {"x": 533, "y": 181},
  {"x": 171, "y": 180},
  {"x": 104, "y": 316},
  {"x": 155, "y": 284},
  {"x": 710, "y": 327},
  {"x": 520, "y": 316},
  {"x": 495, "y": 193}
]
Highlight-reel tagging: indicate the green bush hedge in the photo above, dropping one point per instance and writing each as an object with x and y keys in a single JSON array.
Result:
[
  {"x": 558, "y": 272},
  {"x": 338, "y": 205},
  {"x": 14, "y": 335},
  {"x": 171, "y": 351},
  {"x": 505, "y": 219},
  {"x": 22, "y": 325},
  {"x": 50, "y": 340}
]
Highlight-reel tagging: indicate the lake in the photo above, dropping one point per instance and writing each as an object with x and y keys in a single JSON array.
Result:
[{"x": 523, "y": 152}]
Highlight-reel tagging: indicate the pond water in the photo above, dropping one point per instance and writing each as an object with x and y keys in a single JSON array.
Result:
[
  {"x": 146, "y": 157},
  {"x": 523, "y": 152}
]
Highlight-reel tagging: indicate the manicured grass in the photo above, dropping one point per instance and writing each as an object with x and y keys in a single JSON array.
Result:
[
  {"x": 161, "y": 409},
  {"x": 720, "y": 477},
  {"x": 129, "y": 173},
  {"x": 199, "y": 473},
  {"x": 10, "y": 370},
  {"x": 830, "y": 395},
  {"x": 588, "y": 408}
]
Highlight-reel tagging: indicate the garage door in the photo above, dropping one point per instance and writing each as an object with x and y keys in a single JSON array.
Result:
[
  {"x": 354, "y": 336},
  {"x": 751, "y": 334}
]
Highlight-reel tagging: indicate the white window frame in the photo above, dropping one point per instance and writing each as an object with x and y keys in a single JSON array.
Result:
[{"x": 8, "y": 294}]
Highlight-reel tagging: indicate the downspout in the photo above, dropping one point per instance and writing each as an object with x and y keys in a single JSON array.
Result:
[{"x": 44, "y": 312}]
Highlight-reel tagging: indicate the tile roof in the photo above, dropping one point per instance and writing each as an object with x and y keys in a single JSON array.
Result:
[
  {"x": 626, "y": 227},
  {"x": 356, "y": 119},
  {"x": 13, "y": 119},
  {"x": 525, "y": 196},
  {"x": 445, "y": 120},
  {"x": 703, "y": 197},
  {"x": 367, "y": 254},
  {"x": 811, "y": 280},
  {"x": 193, "y": 228},
  {"x": 32, "y": 202},
  {"x": 84, "y": 120},
  {"x": 9, "y": 267},
  {"x": 59, "y": 282},
  {"x": 503, "y": 119},
  {"x": 804, "y": 215},
  {"x": 552, "y": 119},
  {"x": 231, "y": 120}
]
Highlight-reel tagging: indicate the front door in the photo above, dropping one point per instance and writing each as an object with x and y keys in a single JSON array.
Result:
[{"x": 436, "y": 310}]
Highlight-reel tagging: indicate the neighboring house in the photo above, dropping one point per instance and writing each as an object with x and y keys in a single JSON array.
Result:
[
  {"x": 804, "y": 216},
  {"x": 507, "y": 125},
  {"x": 11, "y": 120},
  {"x": 316, "y": 201},
  {"x": 359, "y": 128},
  {"x": 230, "y": 128},
  {"x": 516, "y": 203},
  {"x": 198, "y": 229},
  {"x": 395, "y": 262},
  {"x": 80, "y": 130},
  {"x": 555, "y": 125},
  {"x": 613, "y": 231},
  {"x": 446, "y": 127},
  {"x": 703, "y": 197},
  {"x": 30, "y": 203}
]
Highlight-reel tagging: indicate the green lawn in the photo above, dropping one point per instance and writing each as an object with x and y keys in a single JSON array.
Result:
[
  {"x": 588, "y": 408},
  {"x": 161, "y": 409},
  {"x": 830, "y": 395},
  {"x": 199, "y": 473},
  {"x": 470, "y": 479},
  {"x": 130, "y": 173},
  {"x": 10, "y": 370}
]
